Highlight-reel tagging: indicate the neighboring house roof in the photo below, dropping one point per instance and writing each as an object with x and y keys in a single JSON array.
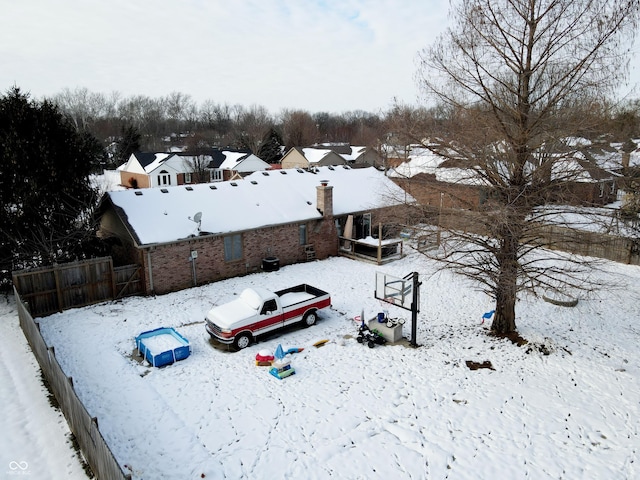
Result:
[
  {"x": 339, "y": 148},
  {"x": 421, "y": 160},
  {"x": 220, "y": 156},
  {"x": 316, "y": 155},
  {"x": 351, "y": 154},
  {"x": 191, "y": 159},
  {"x": 243, "y": 162},
  {"x": 310, "y": 156},
  {"x": 262, "y": 199},
  {"x": 590, "y": 163},
  {"x": 147, "y": 162},
  {"x": 354, "y": 154}
]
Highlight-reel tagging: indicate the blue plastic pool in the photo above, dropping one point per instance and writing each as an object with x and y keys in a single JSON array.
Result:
[{"x": 162, "y": 346}]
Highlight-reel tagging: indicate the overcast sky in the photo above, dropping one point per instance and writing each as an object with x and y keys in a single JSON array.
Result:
[{"x": 315, "y": 55}]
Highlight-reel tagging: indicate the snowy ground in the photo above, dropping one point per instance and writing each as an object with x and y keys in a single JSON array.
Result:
[
  {"x": 35, "y": 441},
  {"x": 350, "y": 411}
]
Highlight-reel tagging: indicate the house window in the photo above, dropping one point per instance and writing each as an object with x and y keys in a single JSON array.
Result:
[
  {"x": 233, "y": 247},
  {"x": 302, "y": 232},
  {"x": 215, "y": 175},
  {"x": 164, "y": 178},
  {"x": 187, "y": 177}
]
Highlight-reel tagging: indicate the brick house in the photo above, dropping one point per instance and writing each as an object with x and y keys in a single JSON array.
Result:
[
  {"x": 148, "y": 170},
  {"x": 306, "y": 157},
  {"x": 152, "y": 170},
  {"x": 443, "y": 183},
  {"x": 184, "y": 236},
  {"x": 330, "y": 154}
]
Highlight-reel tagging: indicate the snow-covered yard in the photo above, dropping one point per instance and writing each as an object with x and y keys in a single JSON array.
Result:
[{"x": 564, "y": 406}]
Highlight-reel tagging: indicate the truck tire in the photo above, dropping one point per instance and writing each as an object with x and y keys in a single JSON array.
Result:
[
  {"x": 242, "y": 340},
  {"x": 309, "y": 319}
]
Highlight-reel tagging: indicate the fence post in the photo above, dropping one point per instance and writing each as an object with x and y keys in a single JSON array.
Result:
[
  {"x": 113, "y": 279},
  {"x": 56, "y": 275}
]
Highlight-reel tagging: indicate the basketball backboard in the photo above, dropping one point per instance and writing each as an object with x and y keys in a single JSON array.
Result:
[{"x": 394, "y": 290}]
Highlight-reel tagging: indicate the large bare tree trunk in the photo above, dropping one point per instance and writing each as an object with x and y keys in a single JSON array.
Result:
[{"x": 504, "y": 320}]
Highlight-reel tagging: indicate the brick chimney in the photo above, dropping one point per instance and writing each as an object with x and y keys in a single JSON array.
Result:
[{"x": 324, "y": 201}]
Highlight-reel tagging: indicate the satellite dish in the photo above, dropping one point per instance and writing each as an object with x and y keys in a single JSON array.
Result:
[{"x": 197, "y": 218}]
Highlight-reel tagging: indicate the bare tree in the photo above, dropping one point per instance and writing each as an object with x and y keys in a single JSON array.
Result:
[
  {"x": 179, "y": 109},
  {"x": 197, "y": 163},
  {"x": 252, "y": 124},
  {"x": 81, "y": 106},
  {"x": 509, "y": 73},
  {"x": 299, "y": 129},
  {"x": 630, "y": 209}
]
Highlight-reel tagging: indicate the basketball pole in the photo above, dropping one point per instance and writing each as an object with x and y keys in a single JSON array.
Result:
[{"x": 414, "y": 310}]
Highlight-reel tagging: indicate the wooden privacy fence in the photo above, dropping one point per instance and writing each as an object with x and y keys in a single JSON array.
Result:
[
  {"x": 590, "y": 244},
  {"x": 556, "y": 237},
  {"x": 83, "y": 426},
  {"x": 47, "y": 290}
]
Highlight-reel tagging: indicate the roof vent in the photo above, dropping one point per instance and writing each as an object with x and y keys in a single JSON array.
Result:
[
  {"x": 253, "y": 182},
  {"x": 138, "y": 192},
  {"x": 213, "y": 187},
  {"x": 164, "y": 190},
  {"x": 299, "y": 170},
  {"x": 234, "y": 184},
  {"x": 190, "y": 189},
  {"x": 330, "y": 167},
  {"x": 266, "y": 174},
  {"x": 283, "y": 172}
]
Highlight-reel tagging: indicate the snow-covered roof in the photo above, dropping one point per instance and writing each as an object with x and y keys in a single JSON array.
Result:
[
  {"x": 577, "y": 142},
  {"x": 263, "y": 198},
  {"x": 421, "y": 160},
  {"x": 356, "y": 152},
  {"x": 159, "y": 160},
  {"x": 315, "y": 155},
  {"x": 147, "y": 162},
  {"x": 231, "y": 159},
  {"x": 462, "y": 176},
  {"x": 579, "y": 166},
  {"x": 607, "y": 160},
  {"x": 243, "y": 162}
]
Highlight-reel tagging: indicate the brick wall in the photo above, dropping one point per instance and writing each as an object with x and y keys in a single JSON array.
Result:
[
  {"x": 127, "y": 179},
  {"x": 173, "y": 269}
]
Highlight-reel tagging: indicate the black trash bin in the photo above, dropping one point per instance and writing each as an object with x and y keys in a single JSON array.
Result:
[{"x": 271, "y": 264}]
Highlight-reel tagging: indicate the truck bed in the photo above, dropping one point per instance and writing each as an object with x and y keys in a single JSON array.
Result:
[
  {"x": 299, "y": 293},
  {"x": 292, "y": 298}
]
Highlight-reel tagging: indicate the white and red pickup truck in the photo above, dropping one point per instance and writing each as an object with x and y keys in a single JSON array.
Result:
[{"x": 258, "y": 310}]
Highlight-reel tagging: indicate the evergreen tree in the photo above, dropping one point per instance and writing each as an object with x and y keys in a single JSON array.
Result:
[
  {"x": 128, "y": 143},
  {"x": 46, "y": 197},
  {"x": 271, "y": 147}
]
